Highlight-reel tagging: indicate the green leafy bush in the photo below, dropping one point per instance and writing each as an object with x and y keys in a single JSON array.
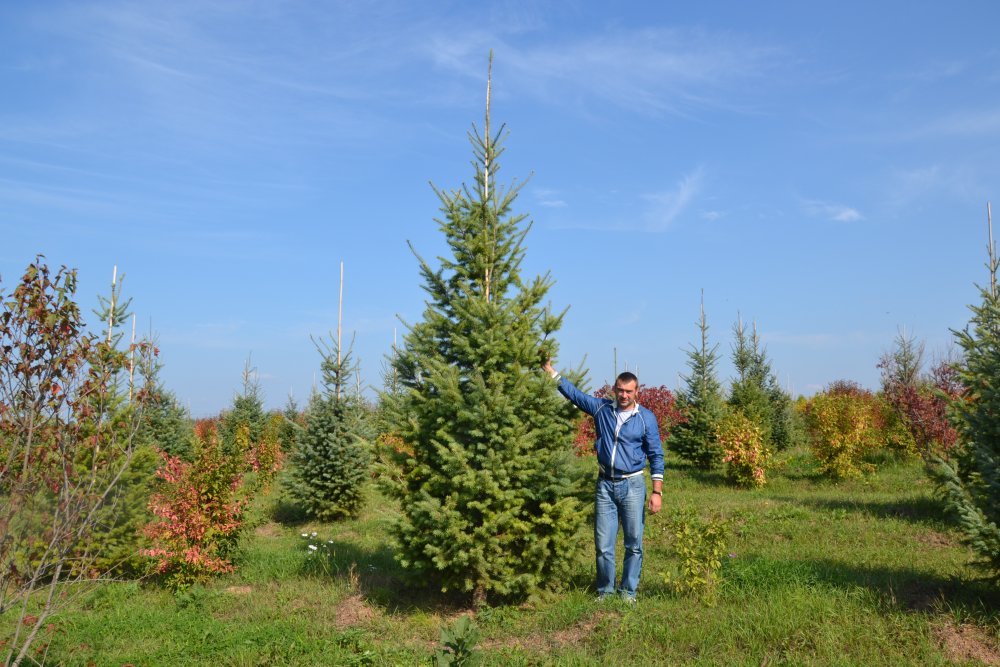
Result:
[
  {"x": 700, "y": 546},
  {"x": 458, "y": 645}
]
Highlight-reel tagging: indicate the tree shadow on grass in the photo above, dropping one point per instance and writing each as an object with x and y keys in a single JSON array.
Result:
[
  {"x": 380, "y": 580},
  {"x": 710, "y": 477},
  {"x": 287, "y": 513},
  {"x": 924, "y": 510},
  {"x": 903, "y": 588},
  {"x": 802, "y": 469}
]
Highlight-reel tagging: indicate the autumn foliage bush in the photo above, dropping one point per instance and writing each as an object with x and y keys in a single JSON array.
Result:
[
  {"x": 744, "y": 450},
  {"x": 845, "y": 424},
  {"x": 66, "y": 439},
  {"x": 264, "y": 457},
  {"x": 923, "y": 409},
  {"x": 198, "y": 511}
]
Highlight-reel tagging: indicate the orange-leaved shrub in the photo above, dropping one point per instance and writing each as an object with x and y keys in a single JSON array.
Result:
[
  {"x": 744, "y": 451},
  {"x": 845, "y": 426},
  {"x": 198, "y": 512}
]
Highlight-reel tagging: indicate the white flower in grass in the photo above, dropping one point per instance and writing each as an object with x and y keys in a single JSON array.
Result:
[
  {"x": 314, "y": 533},
  {"x": 305, "y": 534},
  {"x": 312, "y": 547}
]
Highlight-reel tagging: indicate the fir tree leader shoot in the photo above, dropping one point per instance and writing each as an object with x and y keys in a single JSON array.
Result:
[{"x": 627, "y": 436}]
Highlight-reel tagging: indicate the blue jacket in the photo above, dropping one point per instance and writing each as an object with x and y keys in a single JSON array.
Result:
[{"x": 625, "y": 452}]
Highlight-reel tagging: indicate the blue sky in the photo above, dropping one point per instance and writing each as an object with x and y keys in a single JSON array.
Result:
[{"x": 821, "y": 169}]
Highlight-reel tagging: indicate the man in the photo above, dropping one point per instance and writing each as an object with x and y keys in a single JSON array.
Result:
[{"x": 627, "y": 436}]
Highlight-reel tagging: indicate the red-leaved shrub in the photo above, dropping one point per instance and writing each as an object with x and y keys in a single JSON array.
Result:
[
  {"x": 923, "y": 407},
  {"x": 199, "y": 512}
]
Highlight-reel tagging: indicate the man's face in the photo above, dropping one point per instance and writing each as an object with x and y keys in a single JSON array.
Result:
[{"x": 625, "y": 394}]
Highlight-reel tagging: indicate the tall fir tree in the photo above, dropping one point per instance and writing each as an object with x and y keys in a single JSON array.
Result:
[
  {"x": 970, "y": 480},
  {"x": 702, "y": 404},
  {"x": 489, "y": 504},
  {"x": 331, "y": 461}
]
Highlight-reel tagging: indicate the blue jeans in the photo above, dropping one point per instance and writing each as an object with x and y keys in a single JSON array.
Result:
[{"x": 619, "y": 501}]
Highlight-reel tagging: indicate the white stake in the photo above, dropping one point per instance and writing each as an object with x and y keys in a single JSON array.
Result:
[
  {"x": 111, "y": 311},
  {"x": 131, "y": 362},
  {"x": 340, "y": 321}
]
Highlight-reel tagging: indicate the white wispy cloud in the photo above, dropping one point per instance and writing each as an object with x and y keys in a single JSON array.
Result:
[
  {"x": 272, "y": 77},
  {"x": 967, "y": 123},
  {"x": 232, "y": 334},
  {"x": 906, "y": 186},
  {"x": 655, "y": 212},
  {"x": 549, "y": 199},
  {"x": 822, "y": 340},
  {"x": 652, "y": 70},
  {"x": 666, "y": 206},
  {"x": 938, "y": 70},
  {"x": 831, "y": 211}
]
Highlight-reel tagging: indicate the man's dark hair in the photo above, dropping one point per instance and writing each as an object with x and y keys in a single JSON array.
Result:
[{"x": 627, "y": 376}]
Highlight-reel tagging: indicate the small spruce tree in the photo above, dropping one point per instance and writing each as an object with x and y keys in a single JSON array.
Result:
[
  {"x": 970, "y": 481},
  {"x": 331, "y": 460},
  {"x": 288, "y": 433},
  {"x": 166, "y": 424},
  {"x": 116, "y": 537},
  {"x": 702, "y": 404},
  {"x": 748, "y": 394},
  {"x": 756, "y": 392},
  {"x": 244, "y": 423},
  {"x": 489, "y": 487}
]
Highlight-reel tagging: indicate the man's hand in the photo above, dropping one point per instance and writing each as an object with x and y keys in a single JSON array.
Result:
[
  {"x": 655, "y": 502},
  {"x": 547, "y": 367},
  {"x": 656, "y": 497}
]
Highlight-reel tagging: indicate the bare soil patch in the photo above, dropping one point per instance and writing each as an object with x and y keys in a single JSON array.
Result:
[
  {"x": 352, "y": 611},
  {"x": 935, "y": 539},
  {"x": 269, "y": 529},
  {"x": 962, "y": 643},
  {"x": 576, "y": 635}
]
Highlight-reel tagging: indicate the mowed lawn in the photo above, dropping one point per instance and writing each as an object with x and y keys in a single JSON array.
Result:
[{"x": 867, "y": 571}]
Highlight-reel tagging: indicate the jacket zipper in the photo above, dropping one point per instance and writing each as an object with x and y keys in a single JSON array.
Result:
[{"x": 614, "y": 448}]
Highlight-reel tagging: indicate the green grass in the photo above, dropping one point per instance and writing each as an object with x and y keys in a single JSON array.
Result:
[{"x": 868, "y": 571}]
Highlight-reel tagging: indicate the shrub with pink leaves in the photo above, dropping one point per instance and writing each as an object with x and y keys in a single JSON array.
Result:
[{"x": 198, "y": 512}]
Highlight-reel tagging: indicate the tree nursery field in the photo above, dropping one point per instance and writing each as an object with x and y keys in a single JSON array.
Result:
[
  {"x": 450, "y": 522},
  {"x": 867, "y": 572}
]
